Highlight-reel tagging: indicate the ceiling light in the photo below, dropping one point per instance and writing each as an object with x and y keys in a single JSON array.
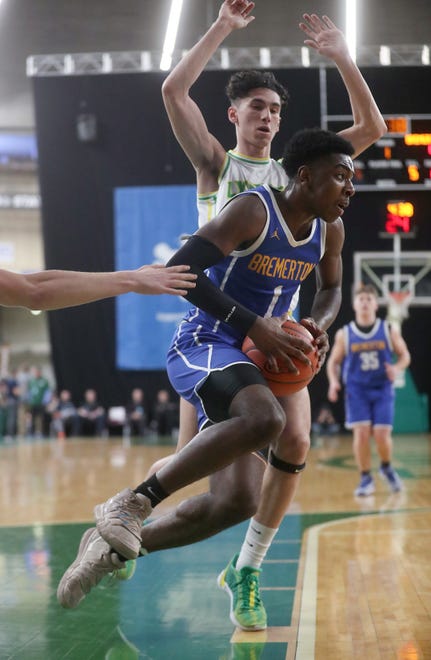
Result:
[
  {"x": 351, "y": 27},
  {"x": 171, "y": 34},
  {"x": 224, "y": 58},
  {"x": 265, "y": 57},
  {"x": 385, "y": 55},
  {"x": 305, "y": 56}
]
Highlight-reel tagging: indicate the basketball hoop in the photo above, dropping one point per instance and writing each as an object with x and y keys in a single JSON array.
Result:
[{"x": 398, "y": 306}]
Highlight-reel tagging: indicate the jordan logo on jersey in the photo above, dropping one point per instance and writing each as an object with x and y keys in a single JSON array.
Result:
[{"x": 275, "y": 235}]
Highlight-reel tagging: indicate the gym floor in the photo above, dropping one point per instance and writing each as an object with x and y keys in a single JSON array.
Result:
[{"x": 345, "y": 578}]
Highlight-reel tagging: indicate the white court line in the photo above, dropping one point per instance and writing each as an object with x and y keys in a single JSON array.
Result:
[{"x": 307, "y": 615}]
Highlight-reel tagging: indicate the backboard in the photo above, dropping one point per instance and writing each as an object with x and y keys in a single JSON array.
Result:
[{"x": 402, "y": 279}]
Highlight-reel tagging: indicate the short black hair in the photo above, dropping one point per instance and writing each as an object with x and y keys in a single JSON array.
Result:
[
  {"x": 309, "y": 144},
  {"x": 241, "y": 82}
]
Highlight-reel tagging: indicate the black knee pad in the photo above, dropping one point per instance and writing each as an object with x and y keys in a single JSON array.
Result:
[{"x": 283, "y": 466}]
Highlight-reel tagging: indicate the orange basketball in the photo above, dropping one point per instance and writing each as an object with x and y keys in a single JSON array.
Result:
[{"x": 285, "y": 382}]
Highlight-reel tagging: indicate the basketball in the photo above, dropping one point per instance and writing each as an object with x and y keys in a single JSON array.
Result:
[{"x": 285, "y": 382}]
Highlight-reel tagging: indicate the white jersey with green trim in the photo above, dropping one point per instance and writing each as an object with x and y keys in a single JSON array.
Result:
[{"x": 239, "y": 173}]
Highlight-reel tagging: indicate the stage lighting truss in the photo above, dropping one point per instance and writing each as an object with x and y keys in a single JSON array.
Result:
[{"x": 278, "y": 57}]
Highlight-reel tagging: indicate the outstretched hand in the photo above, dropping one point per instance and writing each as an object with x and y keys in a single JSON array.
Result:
[
  {"x": 157, "y": 279},
  {"x": 237, "y": 13},
  {"x": 324, "y": 36}
]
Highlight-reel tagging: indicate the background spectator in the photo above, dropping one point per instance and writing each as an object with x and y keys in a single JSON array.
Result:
[
  {"x": 39, "y": 393},
  {"x": 64, "y": 415},
  {"x": 3, "y": 408},
  {"x": 165, "y": 418},
  {"x": 325, "y": 422},
  {"x": 92, "y": 416},
  {"x": 23, "y": 375},
  {"x": 9, "y": 404},
  {"x": 136, "y": 413}
]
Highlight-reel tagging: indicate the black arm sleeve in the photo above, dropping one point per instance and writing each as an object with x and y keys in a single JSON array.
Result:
[{"x": 199, "y": 253}]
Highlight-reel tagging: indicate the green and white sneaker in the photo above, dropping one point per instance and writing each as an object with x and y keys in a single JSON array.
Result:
[{"x": 246, "y": 608}]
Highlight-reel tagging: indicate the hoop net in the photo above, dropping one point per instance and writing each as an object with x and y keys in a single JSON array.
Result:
[{"x": 398, "y": 306}]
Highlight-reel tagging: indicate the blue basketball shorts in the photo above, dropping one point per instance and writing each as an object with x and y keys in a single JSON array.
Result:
[
  {"x": 193, "y": 356},
  {"x": 369, "y": 405}
]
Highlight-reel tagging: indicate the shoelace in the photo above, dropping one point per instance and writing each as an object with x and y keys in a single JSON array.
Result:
[
  {"x": 126, "y": 515},
  {"x": 250, "y": 595}
]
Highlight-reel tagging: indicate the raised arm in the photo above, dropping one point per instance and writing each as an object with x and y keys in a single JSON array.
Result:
[
  {"x": 201, "y": 147},
  {"x": 54, "y": 289},
  {"x": 368, "y": 123}
]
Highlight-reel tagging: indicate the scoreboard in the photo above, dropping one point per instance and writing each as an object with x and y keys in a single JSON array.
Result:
[
  {"x": 399, "y": 218},
  {"x": 400, "y": 160}
]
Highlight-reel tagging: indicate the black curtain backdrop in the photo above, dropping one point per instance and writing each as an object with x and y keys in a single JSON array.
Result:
[{"x": 135, "y": 146}]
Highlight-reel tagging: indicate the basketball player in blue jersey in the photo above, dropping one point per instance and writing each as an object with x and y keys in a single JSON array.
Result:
[
  {"x": 362, "y": 358},
  {"x": 256, "y": 101},
  {"x": 249, "y": 262}
]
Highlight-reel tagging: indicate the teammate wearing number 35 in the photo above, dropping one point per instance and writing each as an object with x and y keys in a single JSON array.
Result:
[{"x": 362, "y": 354}]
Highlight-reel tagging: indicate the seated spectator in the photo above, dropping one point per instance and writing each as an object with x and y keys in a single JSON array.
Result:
[
  {"x": 116, "y": 421},
  {"x": 50, "y": 407},
  {"x": 136, "y": 413},
  {"x": 325, "y": 422},
  {"x": 165, "y": 418},
  {"x": 92, "y": 416},
  {"x": 64, "y": 416}
]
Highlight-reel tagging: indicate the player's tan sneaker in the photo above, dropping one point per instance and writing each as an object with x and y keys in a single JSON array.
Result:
[
  {"x": 94, "y": 560},
  {"x": 119, "y": 521}
]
